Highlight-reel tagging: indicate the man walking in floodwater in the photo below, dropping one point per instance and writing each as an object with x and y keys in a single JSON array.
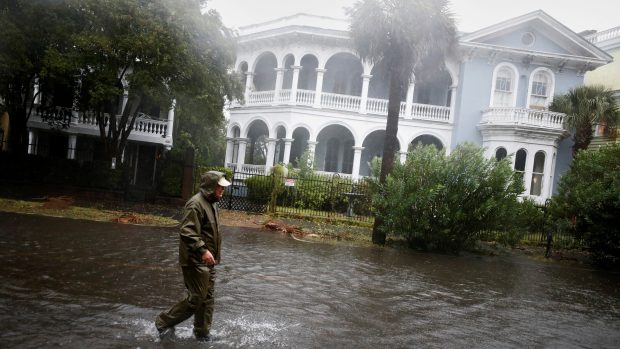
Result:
[{"x": 199, "y": 253}]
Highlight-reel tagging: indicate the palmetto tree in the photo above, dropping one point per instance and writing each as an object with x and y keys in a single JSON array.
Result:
[
  {"x": 586, "y": 106},
  {"x": 400, "y": 35}
]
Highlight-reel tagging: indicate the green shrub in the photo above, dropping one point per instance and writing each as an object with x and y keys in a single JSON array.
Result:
[
  {"x": 440, "y": 202},
  {"x": 588, "y": 202},
  {"x": 259, "y": 188}
]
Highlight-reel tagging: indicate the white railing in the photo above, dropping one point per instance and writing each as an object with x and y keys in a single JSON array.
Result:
[
  {"x": 305, "y": 97},
  {"x": 377, "y": 106},
  {"x": 340, "y": 102},
  {"x": 246, "y": 168},
  {"x": 284, "y": 95},
  {"x": 326, "y": 173},
  {"x": 430, "y": 112},
  {"x": 523, "y": 116},
  {"x": 604, "y": 35},
  {"x": 143, "y": 125},
  {"x": 260, "y": 98}
]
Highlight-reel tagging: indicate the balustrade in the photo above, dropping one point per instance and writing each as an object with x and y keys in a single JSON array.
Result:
[
  {"x": 523, "y": 116},
  {"x": 337, "y": 101}
]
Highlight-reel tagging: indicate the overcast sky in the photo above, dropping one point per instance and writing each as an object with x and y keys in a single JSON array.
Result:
[{"x": 470, "y": 15}]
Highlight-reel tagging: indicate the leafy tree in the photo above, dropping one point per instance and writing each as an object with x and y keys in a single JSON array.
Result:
[
  {"x": 34, "y": 33},
  {"x": 441, "y": 202},
  {"x": 585, "y": 106},
  {"x": 400, "y": 35},
  {"x": 588, "y": 202},
  {"x": 157, "y": 50}
]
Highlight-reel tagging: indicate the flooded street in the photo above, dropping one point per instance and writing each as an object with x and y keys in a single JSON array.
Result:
[{"x": 81, "y": 284}]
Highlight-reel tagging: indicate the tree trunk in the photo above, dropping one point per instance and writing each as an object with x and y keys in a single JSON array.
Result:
[
  {"x": 582, "y": 138},
  {"x": 18, "y": 132},
  {"x": 390, "y": 145}
]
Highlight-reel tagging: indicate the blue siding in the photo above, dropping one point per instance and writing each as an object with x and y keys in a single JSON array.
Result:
[{"x": 541, "y": 44}]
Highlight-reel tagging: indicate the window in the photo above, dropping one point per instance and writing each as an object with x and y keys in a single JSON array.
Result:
[
  {"x": 520, "y": 162},
  {"x": 504, "y": 87},
  {"x": 541, "y": 88},
  {"x": 537, "y": 174},
  {"x": 500, "y": 153}
]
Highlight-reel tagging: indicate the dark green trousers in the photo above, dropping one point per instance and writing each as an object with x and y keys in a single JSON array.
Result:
[{"x": 199, "y": 281}]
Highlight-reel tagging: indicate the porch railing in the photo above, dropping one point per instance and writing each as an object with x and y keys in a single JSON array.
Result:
[
  {"x": 523, "y": 116},
  {"x": 336, "y": 101},
  {"x": 65, "y": 117}
]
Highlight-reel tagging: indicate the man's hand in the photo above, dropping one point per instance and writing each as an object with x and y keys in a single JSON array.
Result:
[{"x": 207, "y": 257}]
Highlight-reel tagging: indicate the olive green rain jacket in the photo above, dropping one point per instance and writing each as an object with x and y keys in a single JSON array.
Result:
[{"x": 199, "y": 228}]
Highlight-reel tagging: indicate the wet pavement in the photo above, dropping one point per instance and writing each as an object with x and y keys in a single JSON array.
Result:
[{"x": 82, "y": 284}]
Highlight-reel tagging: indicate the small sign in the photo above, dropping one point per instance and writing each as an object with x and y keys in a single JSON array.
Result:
[{"x": 290, "y": 182}]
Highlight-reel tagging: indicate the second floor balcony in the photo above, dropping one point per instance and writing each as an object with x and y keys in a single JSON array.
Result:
[
  {"x": 145, "y": 129},
  {"x": 349, "y": 103},
  {"x": 507, "y": 116}
]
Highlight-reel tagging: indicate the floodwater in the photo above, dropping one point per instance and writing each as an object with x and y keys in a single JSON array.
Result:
[{"x": 80, "y": 284}]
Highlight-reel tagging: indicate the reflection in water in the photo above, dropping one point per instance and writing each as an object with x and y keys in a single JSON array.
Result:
[{"x": 79, "y": 284}]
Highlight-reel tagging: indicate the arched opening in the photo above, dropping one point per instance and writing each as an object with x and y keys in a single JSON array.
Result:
[
  {"x": 334, "y": 151},
  {"x": 343, "y": 75},
  {"x": 520, "y": 159},
  {"x": 256, "y": 149},
  {"x": 501, "y": 153},
  {"x": 264, "y": 73},
  {"x": 434, "y": 90},
  {"x": 504, "y": 86},
  {"x": 373, "y": 148},
  {"x": 538, "y": 174},
  {"x": 299, "y": 145},
  {"x": 426, "y": 140},
  {"x": 307, "y": 75}
]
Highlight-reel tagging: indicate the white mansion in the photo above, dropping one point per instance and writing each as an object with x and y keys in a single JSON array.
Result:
[{"x": 306, "y": 89}]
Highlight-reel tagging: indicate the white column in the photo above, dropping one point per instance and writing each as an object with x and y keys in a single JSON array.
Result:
[
  {"x": 403, "y": 156},
  {"x": 357, "y": 158},
  {"x": 549, "y": 169},
  {"x": 279, "y": 78},
  {"x": 35, "y": 92},
  {"x": 452, "y": 101},
  {"x": 168, "y": 141},
  {"x": 243, "y": 142},
  {"x": 409, "y": 100},
  {"x": 249, "y": 82},
  {"x": 527, "y": 174},
  {"x": 271, "y": 150},
  {"x": 33, "y": 139},
  {"x": 319, "y": 87},
  {"x": 296, "y": 69},
  {"x": 311, "y": 150},
  {"x": 229, "y": 150},
  {"x": 287, "y": 150},
  {"x": 364, "y": 100},
  {"x": 71, "y": 147}
]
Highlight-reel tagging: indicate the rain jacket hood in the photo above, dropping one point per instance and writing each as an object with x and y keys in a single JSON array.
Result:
[{"x": 208, "y": 182}]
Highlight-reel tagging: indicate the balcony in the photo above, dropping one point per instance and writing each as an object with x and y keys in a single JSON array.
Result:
[
  {"x": 348, "y": 103},
  {"x": 145, "y": 128},
  {"x": 523, "y": 117}
]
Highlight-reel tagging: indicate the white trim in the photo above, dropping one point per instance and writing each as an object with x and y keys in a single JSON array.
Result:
[
  {"x": 550, "y": 88},
  {"x": 515, "y": 84}
]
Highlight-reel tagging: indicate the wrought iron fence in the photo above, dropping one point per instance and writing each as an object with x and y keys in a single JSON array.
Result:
[{"x": 314, "y": 195}]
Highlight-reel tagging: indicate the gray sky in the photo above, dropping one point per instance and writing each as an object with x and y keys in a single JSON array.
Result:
[{"x": 470, "y": 15}]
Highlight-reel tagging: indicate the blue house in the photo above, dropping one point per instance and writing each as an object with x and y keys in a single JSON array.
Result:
[{"x": 307, "y": 90}]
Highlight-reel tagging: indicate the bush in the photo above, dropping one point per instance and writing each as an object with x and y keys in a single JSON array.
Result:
[
  {"x": 588, "y": 202},
  {"x": 440, "y": 202},
  {"x": 260, "y": 188}
]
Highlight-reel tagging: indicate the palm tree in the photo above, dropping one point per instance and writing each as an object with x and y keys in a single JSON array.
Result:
[
  {"x": 586, "y": 106},
  {"x": 400, "y": 35}
]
